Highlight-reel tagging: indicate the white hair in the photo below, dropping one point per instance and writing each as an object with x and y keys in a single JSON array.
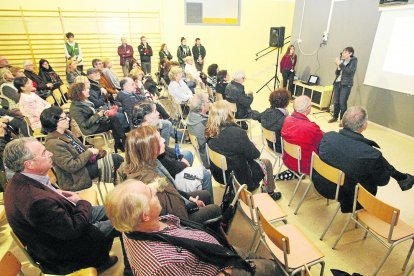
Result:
[
  {"x": 239, "y": 75},
  {"x": 301, "y": 104}
]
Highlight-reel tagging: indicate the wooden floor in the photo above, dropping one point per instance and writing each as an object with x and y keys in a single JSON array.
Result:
[{"x": 353, "y": 254}]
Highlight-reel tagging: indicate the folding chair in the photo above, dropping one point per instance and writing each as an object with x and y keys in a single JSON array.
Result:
[
  {"x": 179, "y": 115},
  {"x": 294, "y": 151},
  {"x": 288, "y": 246},
  {"x": 330, "y": 173},
  {"x": 90, "y": 271},
  {"x": 247, "y": 202},
  {"x": 248, "y": 121},
  {"x": 334, "y": 175},
  {"x": 268, "y": 135},
  {"x": 381, "y": 221},
  {"x": 105, "y": 135},
  {"x": 194, "y": 142},
  {"x": 10, "y": 265},
  {"x": 36, "y": 134},
  {"x": 219, "y": 161}
]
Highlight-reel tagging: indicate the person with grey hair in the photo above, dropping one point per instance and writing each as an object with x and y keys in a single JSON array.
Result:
[
  {"x": 43, "y": 88},
  {"x": 126, "y": 55},
  {"x": 197, "y": 120},
  {"x": 299, "y": 130},
  {"x": 235, "y": 94},
  {"x": 359, "y": 158},
  {"x": 62, "y": 232}
]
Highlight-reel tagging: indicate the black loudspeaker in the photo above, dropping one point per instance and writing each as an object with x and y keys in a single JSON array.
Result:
[{"x": 277, "y": 37}]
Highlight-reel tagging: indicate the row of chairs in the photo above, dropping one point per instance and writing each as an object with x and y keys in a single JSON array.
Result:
[{"x": 376, "y": 217}]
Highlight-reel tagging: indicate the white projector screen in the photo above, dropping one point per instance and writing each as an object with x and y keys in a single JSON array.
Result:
[{"x": 391, "y": 64}]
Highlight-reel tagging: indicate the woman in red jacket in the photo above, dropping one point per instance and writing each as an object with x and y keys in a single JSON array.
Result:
[{"x": 287, "y": 67}]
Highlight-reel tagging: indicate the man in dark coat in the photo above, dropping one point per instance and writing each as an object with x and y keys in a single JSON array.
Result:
[
  {"x": 358, "y": 158},
  {"x": 62, "y": 232},
  {"x": 235, "y": 94},
  {"x": 199, "y": 53}
]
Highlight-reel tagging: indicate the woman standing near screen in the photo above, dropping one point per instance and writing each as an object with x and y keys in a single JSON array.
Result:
[{"x": 287, "y": 67}]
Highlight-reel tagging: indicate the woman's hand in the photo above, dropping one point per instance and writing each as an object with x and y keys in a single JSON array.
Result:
[
  {"x": 101, "y": 113},
  {"x": 199, "y": 203},
  {"x": 94, "y": 150}
]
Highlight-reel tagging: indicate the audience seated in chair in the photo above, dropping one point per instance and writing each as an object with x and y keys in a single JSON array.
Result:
[
  {"x": 143, "y": 146},
  {"x": 47, "y": 73},
  {"x": 273, "y": 119},
  {"x": 30, "y": 104},
  {"x": 235, "y": 94},
  {"x": 226, "y": 137},
  {"x": 299, "y": 130},
  {"x": 110, "y": 75},
  {"x": 177, "y": 88},
  {"x": 75, "y": 164},
  {"x": 7, "y": 89},
  {"x": 192, "y": 75},
  {"x": 62, "y": 232},
  {"x": 359, "y": 158},
  {"x": 106, "y": 83},
  {"x": 212, "y": 71},
  {"x": 151, "y": 240},
  {"x": 90, "y": 120},
  {"x": 223, "y": 79},
  {"x": 197, "y": 120},
  {"x": 72, "y": 71},
  {"x": 43, "y": 88}
]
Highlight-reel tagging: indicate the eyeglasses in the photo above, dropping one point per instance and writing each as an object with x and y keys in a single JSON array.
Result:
[{"x": 63, "y": 118}]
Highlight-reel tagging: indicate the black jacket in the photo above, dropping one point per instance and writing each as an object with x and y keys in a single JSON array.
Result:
[
  {"x": 145, "y": 53},
  {"x": 348, "y": 72},
  {"x": 273, "y": 119},
  {"x": 197, "y": 53},
  {"x": 128, "y": 100},
  {"x": 181, "y": 55},
  {"x": 95, "y": 94},
  {"x": 85, "y": 117},
  {"x": 41, "y": 84},
  {"x": 240, "y": 153},
  {"x": 235, "y": 94},
  {"x": 358, "y": 158}
]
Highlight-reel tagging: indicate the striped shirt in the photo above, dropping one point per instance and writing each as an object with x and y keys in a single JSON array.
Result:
[{"x": 160, "y": 258}]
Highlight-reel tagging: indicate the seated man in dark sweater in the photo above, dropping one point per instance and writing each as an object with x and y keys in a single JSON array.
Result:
[
  {"x": 167, "y": 245},
  {"x": 359, "y": 158}
]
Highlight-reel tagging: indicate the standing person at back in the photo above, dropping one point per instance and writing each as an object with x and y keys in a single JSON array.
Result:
[
  {"x": 183, "y": 51},
  {"x": 199, "y": 53},
  {"x": 287, "y": 67},
  {"x": 73, "y": 50},
  {"x": 299, "y": 130},
  {"x": 145, "y": 53},
  {"x": 126, "y": 55},
  {"x": 345, "y": 71}
]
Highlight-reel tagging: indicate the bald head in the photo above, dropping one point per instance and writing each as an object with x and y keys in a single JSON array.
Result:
[
  {"x": 302, "y": 104},
  {"x": 355, "y": 119},
  {"x": 4, "y": 62}
]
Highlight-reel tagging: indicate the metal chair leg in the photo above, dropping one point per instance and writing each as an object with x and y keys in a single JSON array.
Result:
[
  {"x": 409, "y": 271},
  {"x": 330, "y": 222},
  {"x": 322, "y": 267},
  {"x": 254, "y": 240},
  {"x": 408, "y": 256},
  {"x": 343, "y": 231},
  {"x": 296, "y": 190},
  {"x": 303, "y": 198},
  {"x": 383, "y": 260}
]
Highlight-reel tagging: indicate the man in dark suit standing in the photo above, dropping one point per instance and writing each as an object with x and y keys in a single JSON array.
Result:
[
  {"x": 199, "y": 53},
  {"x": 62, "y": 232},
  {"x": 145, "y": 53}
]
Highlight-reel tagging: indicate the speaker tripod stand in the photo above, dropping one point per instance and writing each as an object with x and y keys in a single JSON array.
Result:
[{"x": 275, "y": 77}]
